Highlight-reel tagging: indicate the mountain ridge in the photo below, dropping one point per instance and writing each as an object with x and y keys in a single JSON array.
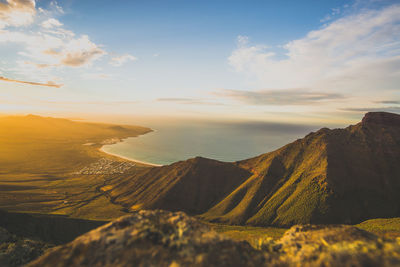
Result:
[
  {"x": 192, "y": 186},
  {"x": 329, "y": 176}
]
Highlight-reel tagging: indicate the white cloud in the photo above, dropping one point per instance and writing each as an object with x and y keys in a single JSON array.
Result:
[
  {"x": 45, "y": 45},
  {"x": 334, "y": 12},
  {"x": 48, "y": 84},
  {"x": 17, "y": 12},
  {"x": 297, "y": 96},
  {"x": 242, "y": 40},
  {"x": 120, "y": 60},
  {"x": 55, "y": 50},
  {"x": 356, "y": 52},
  {"x": 79, "y": 52},
  {"x": 51, "y": 23}
]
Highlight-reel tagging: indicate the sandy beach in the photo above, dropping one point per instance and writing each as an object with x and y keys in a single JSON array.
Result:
[{"x": 130, "y": 159}]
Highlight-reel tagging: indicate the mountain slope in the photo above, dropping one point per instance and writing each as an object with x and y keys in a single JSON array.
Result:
[
  {"x": 288, "y": 186},
  {"x": 364, "y": 169},
  {"x": 330, "y": 176},
  {"x": 192, "y": 186}
]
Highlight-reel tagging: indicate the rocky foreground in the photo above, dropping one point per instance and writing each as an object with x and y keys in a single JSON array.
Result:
[
  {"x": 16, "y": 251},
  {"x": 161, "y": 238}
]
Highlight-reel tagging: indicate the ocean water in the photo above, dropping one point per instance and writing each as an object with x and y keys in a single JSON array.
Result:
[{"x": 171, "y": 142}]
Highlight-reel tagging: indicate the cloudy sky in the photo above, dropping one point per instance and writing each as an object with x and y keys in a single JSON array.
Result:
[{"x": 261, "y": 60}]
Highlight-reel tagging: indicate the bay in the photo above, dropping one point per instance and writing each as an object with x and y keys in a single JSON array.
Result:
[{"x": 171, "y": 142}]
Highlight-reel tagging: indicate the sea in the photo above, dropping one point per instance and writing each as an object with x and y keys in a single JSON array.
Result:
[{"x": 224, "y": 141}]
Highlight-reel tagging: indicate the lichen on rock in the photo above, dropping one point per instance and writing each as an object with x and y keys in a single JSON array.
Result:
[
  {"x": 162, "y": 238},
  {"x": 153, "y": 238}
]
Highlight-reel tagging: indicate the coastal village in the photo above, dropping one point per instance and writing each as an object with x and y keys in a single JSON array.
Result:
[{"x": 106, "y": 166}]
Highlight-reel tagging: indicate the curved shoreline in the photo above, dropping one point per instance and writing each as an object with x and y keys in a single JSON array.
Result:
[{"x": 130, "y": 159}]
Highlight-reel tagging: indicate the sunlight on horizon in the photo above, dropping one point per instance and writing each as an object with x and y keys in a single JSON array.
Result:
[{"x": 332, "y": 63}]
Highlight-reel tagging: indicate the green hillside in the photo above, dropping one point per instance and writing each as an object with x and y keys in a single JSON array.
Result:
[
  {"x": 193, "y": 186},
  {"x": 331, "y": 176},
  {"x": 389, "y": 227}
]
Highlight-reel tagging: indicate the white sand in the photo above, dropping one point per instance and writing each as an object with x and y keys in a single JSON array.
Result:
[{"x": 130, "y": 159}]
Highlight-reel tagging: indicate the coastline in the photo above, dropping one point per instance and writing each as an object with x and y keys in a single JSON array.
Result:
[{"x": 101, "y": 149}]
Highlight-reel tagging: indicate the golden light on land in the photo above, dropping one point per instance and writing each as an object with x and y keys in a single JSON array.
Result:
[{"x": 39, "y": 160}]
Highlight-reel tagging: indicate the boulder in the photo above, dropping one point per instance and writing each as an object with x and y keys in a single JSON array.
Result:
[
  {"x": 162, "y": 238},
  {"x": 153, "y": 238},
  {"x": 336, "y": 245}
]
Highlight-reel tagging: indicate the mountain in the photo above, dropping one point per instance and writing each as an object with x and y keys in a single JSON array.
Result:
[
  {"x": 192, "y": 186},
  {"x": 330, "y": 176}
]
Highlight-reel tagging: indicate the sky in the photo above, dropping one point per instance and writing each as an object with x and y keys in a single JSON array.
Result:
[{"x": 239, "y": 60}]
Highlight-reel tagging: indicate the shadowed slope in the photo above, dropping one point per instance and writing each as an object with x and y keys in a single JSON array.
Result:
[
  {"x": 331, "y": 176},
  {"x": 192, "y": 186},
  {"x": 287, "y": 186},
  {"x": 364, "y": 169}
]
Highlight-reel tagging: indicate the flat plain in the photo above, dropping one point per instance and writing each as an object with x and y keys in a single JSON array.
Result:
[{"x": 41, "y": 163}]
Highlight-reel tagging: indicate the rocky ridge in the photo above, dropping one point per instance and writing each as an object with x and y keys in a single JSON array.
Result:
[{"x": 161, "y": 238}]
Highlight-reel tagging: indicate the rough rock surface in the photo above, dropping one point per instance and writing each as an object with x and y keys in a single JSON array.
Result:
[
  {"x": 16, "y": 251},
  {"x": 153, "y": 238},
  {"x": 335, "y": 245},
  {"x": 161, "y": 238}
]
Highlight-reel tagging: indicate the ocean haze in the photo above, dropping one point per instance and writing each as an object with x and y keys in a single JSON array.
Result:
[{"x": 226, "y": 141}]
